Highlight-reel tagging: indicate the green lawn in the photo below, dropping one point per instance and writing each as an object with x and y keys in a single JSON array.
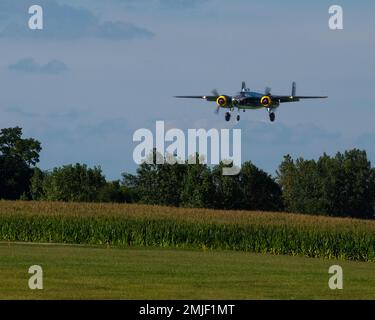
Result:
[{"x": 82, "y": 272}]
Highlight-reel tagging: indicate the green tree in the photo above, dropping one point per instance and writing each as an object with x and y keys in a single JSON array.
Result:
[
  {"x": 302, "y": 186},
  {"x": 157, "y": 183},
  {"x": 227, "y": 190},
  {"x": 113, "y": 191},
  {"x": 76, "y": 183},
  {"x": 37, "y": 184},
  {"x": 259, "y": 191},
  {"x": 13, "y": 146},
  {"x": 343, "y": 185},
  {"x": 18, "y": 156},
  {"x": 350, "y": 184},
  {"x": 198, "y": 189}
]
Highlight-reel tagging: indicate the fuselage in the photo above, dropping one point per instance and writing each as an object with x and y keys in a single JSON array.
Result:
[{"x": 250, "y": 100}]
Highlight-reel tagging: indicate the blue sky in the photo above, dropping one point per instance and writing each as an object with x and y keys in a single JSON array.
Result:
[{"x": 102, "y": 69}]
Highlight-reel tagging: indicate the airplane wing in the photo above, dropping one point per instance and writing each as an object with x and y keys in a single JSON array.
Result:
[
  {"x": 208, "y": 98},
  {"x": 311, "y": 97},
  {"x": 295, "y": 98}
]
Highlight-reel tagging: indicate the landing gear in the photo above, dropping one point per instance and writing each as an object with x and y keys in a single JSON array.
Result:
[
  {"x": 227, "y": 116},
  {"x": 272, "y": 116},
  {"x": 238, "y": 117}
]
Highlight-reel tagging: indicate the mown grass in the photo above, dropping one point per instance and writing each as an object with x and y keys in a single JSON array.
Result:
[
  {"x": 139, "y": 225},
  {"x": 89, "y": 272}
]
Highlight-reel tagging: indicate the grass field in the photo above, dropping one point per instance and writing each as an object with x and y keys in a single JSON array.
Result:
[
  {"x": 122, "y": 251},
  {"x": 85, "y": 272}
]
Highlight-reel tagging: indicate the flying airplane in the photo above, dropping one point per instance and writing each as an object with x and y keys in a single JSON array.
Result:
[{"x": 246, "y": 99}]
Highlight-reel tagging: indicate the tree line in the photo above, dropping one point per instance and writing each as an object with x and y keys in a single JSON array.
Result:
[{"x": 342, "y": 185}]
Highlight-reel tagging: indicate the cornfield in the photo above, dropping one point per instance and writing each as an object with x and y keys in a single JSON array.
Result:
[{"x": 141, "y": 225}]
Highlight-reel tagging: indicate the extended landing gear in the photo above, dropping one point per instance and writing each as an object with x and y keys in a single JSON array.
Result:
[
  {"x": 227, "y": 116},
  {"x": 272, "y": 116}
]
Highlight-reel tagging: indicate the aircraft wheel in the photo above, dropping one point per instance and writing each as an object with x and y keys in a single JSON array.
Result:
[
  {"x": 227, "y": 116},
  {"x": 238, "y": 118},
  {"x": 272, "y": 116}
]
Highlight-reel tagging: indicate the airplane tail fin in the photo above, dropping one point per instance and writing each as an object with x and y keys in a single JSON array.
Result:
[
  {"x": 243, "y": 88},
  {"x": 293, "y": 89}
]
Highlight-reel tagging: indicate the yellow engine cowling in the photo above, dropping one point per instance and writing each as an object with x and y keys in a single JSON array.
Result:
[
  {"x": 266, "y": 101},
  {"x": 222, "y": 101}
]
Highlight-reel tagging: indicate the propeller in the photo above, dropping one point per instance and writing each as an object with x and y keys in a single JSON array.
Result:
[
  {"x": 216, "y": 94},
  {"x": 267, "y": 91}
]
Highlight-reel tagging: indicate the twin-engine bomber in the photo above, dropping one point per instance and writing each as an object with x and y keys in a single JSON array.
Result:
[{"x": 246, "y": 99}]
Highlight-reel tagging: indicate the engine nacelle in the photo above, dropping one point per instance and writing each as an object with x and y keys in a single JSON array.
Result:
[
  {"x": 266, "y": 101},
  {"x": 223, "y": 101}
]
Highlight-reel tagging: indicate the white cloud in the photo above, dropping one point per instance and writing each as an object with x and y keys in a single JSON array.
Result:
[
  {"x": 63, "y": 22},
  {"x": 28, "y": 65}
]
